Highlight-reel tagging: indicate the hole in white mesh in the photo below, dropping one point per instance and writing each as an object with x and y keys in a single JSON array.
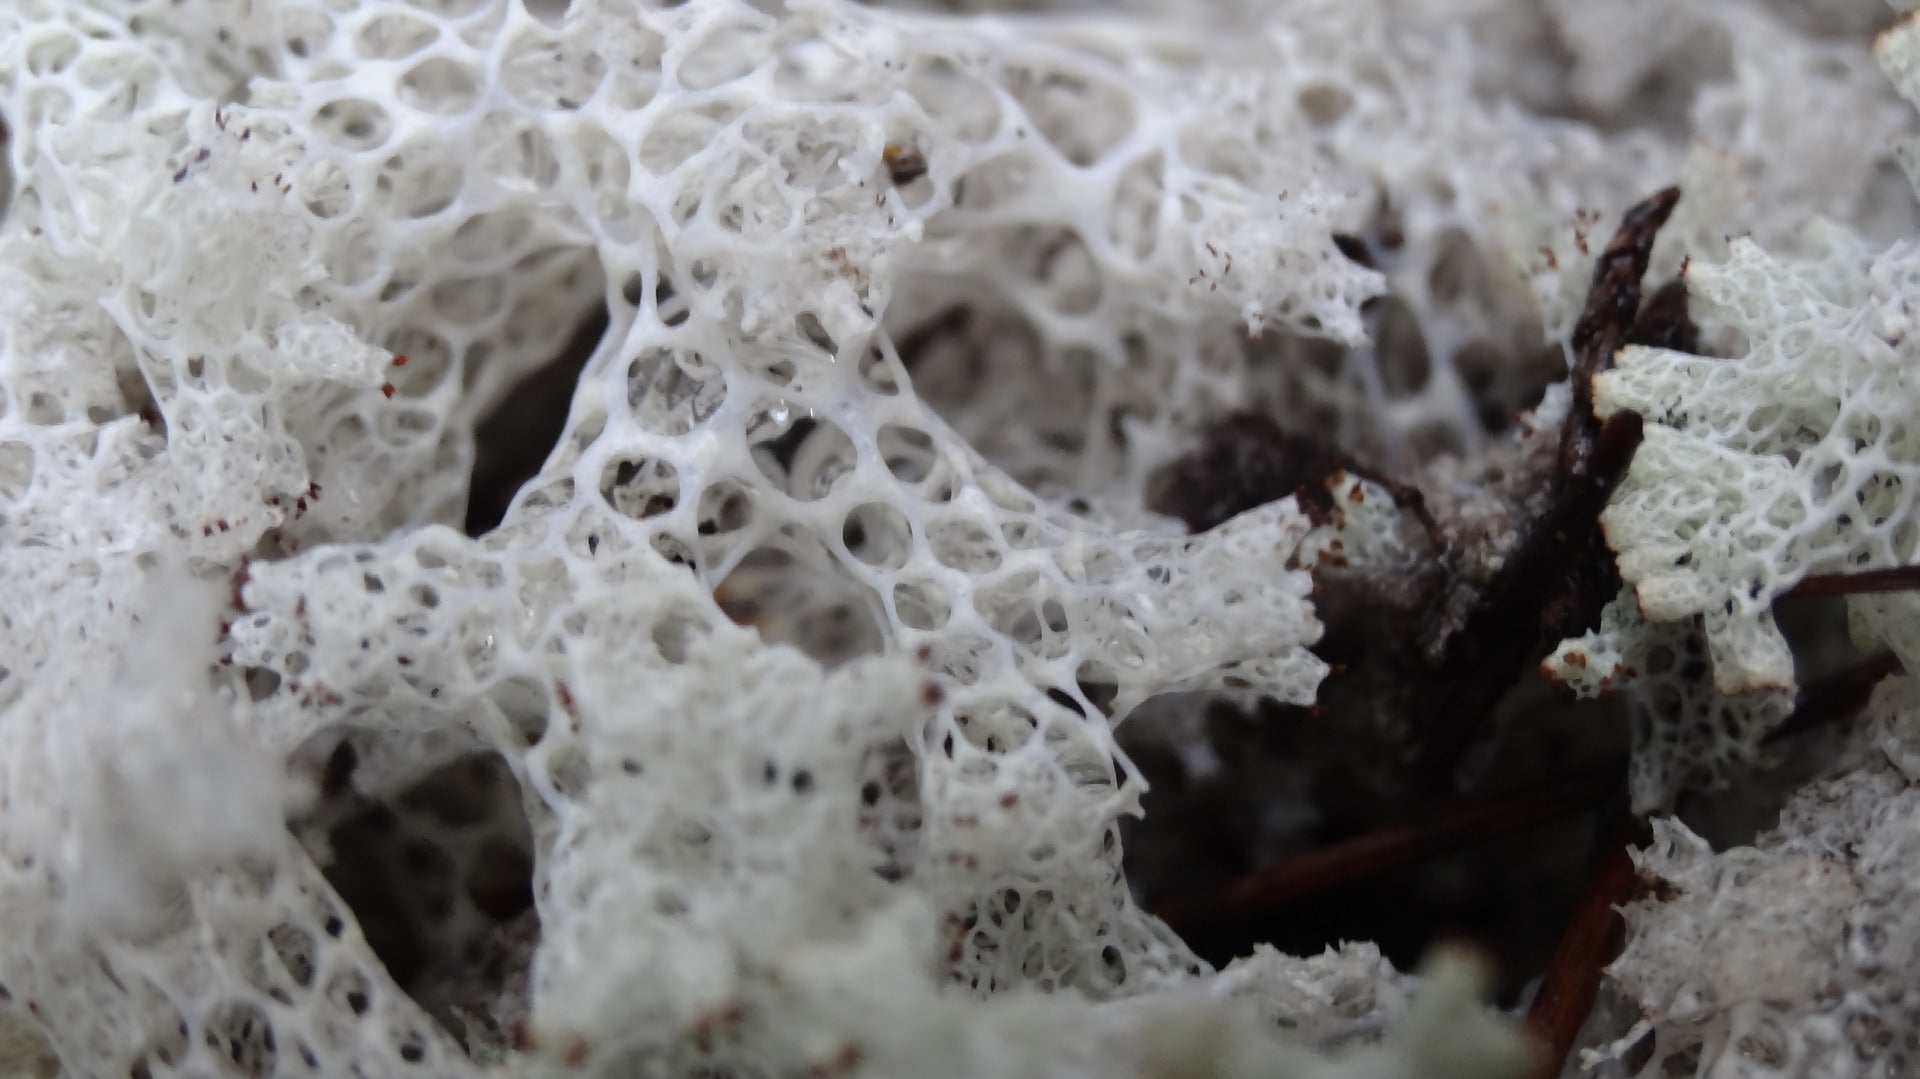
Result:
[
  {"x": 878, "y": 535},
  {"x": 726, "y": 507},
  {"x": 807, "y": 600},
  {"x": 512, "y": 442},
  {"x": 672, "y": 392},
  {"x": 392, "y": 35},
  {"x": 6, "y": 168},
  {"x": 440, "y": 879},
  {"x": 1134, "y": 220},
  {"x": 1083, "y": 119},
  {"x": 966, "y": 107},
  {"x": 241, "y": 1036},
  {"x": 1401, "y": 348},
  {"x": 640, "y": 488},
  {"x": 923, "y": 605},
  {"x": 1325, "y": 103},
  {"x": 353, "y": 123},
  {"x": 907, "y": 452},
  {"x": 438, "y": 85},
  {"x": 803, "y": 457}
]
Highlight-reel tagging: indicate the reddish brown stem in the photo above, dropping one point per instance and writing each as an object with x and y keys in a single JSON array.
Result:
[
  {"x": 1591, "y": 940},
  {"x": 1319, "y": 871},
  {"x": 1897, "y": 579}
]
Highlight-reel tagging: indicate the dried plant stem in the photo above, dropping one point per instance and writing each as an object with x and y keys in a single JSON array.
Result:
[
  {"x": 1453, "y": 828},
  {"x": 1897, "y": 579},
  {"x": 1836, "y": 696},
  {"x": 1591, "y": 940}
]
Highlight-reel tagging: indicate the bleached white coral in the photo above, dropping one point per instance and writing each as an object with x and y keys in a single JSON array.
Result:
[
  {"x": 796, "y": 665},
  {"x": 1779, "y": 958},
  {"x": 1790, "y": 458}
]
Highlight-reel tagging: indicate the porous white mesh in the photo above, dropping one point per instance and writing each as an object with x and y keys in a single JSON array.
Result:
[
  {"x": 1779, "y": 958},
  {"x": 1793, "y": 457},
  {"x": 268, "y": 264}
]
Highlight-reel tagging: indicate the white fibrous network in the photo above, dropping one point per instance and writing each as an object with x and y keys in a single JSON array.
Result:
[{"x": 770, "y": 728}]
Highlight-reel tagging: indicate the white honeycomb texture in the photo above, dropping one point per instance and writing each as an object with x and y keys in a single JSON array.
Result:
[
  {"x": 1793, "y": 456},
  {"x": 794, "y": 671},
  {"x": 1787, "y": 957}
]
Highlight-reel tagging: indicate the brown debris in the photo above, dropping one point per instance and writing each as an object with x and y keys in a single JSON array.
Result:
[
  {"x": 1835, "y": 696},
  {"x": 1485, "y": 633},
  {"x": 1248, "y": 460},
  {"x": 1896, "y": 579},
  {"x": 1591, "y": 941},
  {"x": 1451, "y": 828}
]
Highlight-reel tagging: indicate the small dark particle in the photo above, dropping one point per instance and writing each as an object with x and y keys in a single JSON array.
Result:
[
  {"x": 931, "y": 695},
  {"x": 904, "y": 166},
  {"x": 1354, "y": 248},
  {"x": 237, "y": 589},
  {"x": 181, "y": 175},
  {"x": 339, "y": 768}
]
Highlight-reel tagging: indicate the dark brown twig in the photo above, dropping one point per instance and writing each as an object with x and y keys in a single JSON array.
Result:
[
  {"x": 1453, "y": 828},
  {"x": 1591, "y": 940},
  {"x": 1860, "y": 582},
  {"x": 1593, "y": 936},
  {"x": 1613, "y": 306},
  {"x": 1488, "y": 632},
  {"x": 1835, "y": 696}
]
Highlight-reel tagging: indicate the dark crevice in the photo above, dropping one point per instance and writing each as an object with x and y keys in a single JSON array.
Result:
[
  {"x": 1297, "y": 829},
  {"x": 6, "y": 168},
  {"x": 515, "y": 439},
  {"x": 440, "y": 880}
]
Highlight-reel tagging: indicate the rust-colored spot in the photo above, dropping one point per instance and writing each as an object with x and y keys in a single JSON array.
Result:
[
  {"x": 904, "y": 165},
  {"x": 738, "y": 611}
]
